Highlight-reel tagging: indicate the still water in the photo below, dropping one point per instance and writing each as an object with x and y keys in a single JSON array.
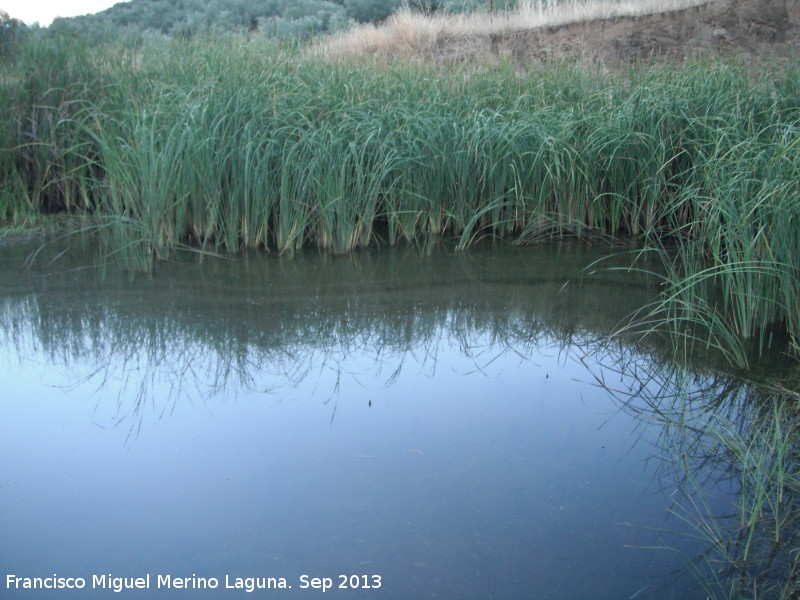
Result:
[{"x": 409, "y": 425}]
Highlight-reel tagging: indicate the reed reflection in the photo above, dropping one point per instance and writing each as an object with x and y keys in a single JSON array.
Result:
[
  {"x": 267, "y": 323},
  {"x": 729, "y": 463}
]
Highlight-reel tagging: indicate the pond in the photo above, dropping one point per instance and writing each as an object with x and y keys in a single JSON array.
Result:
[{"x": 388, "y": 424}]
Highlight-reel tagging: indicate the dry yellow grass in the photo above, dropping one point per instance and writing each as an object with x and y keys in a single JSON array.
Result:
[{"x": 408, "y": 32}]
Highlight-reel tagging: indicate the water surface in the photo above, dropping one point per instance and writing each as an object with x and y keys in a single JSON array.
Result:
[{"x": 434, "y": 424}]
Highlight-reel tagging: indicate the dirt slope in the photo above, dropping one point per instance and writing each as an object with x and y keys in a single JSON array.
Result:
[{"x": 753, "y": 30}]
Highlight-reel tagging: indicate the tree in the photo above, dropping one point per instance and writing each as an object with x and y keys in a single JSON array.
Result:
[{"x": 11, "y": 33}]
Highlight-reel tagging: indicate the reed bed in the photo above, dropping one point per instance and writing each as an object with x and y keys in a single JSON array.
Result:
[{"x": 227, "y": 142}]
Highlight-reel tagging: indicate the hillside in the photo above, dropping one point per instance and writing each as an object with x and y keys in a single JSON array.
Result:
[
  {"x": 750, "y": 29},
  {"x": 753, "y": 30},
  {"x": 274, "y": 18}
]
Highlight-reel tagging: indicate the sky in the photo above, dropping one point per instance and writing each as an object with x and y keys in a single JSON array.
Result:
[{"x": 44, "y": 11}]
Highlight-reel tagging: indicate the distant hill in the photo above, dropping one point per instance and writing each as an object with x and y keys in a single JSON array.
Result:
[
  {"x": 287, "y": 17},
  {"x": 282, "y": 18}
]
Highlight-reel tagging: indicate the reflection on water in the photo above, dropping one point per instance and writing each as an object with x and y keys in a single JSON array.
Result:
[
  {"x": 723, "y": 438},
  {"x": 443, "y": 422},
  {"x": 264, "y": 321}
]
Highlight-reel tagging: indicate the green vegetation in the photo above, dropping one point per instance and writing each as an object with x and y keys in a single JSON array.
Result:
[{"x": 273, "y": 18}]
